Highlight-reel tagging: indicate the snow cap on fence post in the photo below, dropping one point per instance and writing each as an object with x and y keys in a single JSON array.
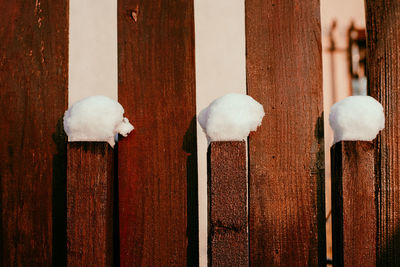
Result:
[
  {"x": 96, "y": 118},
  {"x": 231, "y": 117},
  {"x": 356, "y": 118}
]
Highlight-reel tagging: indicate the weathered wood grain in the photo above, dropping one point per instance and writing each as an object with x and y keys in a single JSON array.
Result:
[
  {"x": 33, "y": 93},
  {"x": 353, "y": 204},
  {"x": 227, "y": 204},
  {"x": 286, "y": 154},
  {"x": 90, "y": 179},
  {"x": 158, "y": 206},
  {"x": 383, "y": 50}
]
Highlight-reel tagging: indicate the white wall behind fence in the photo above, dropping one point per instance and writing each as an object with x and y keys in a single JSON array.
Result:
[{"x": 92, "y": 49}]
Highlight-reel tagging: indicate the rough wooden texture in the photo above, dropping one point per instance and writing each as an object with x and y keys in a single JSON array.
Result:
[
  {"x": 227, "y": 205},
  {"x": 33, "y": 93},
  {"x": 158, "y": 163},
  {"x": 383, "y": 51},
  {"x": 353, "y": 204},
  {"x": 286, "y": 154},
  {"x": 90, "y": 177}
]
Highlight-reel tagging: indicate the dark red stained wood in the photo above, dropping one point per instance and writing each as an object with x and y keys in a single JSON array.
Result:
[
  {"x": 383, "y": 50},
  {"x": 158, "y": 211},
  {"x": 286, "y": 154},
  {"x": 227, "y": 204},
  {"x": 90, "y": 178},
  {"x": 353, "y": 204},
  {"x": 33, "y": 93}
]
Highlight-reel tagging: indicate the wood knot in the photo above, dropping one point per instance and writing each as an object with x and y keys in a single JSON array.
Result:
[{"x": 135, "y": 13}]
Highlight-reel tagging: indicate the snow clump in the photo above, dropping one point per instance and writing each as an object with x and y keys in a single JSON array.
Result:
[
  {"x": 96, "y": 118},
  {"x": 356, "y": 118},
  {"x": 231, "y": 117}
]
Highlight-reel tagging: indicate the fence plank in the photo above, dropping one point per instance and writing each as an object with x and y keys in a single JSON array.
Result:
[
  {"x": 353, "y": 204},
  {"x": 383, "y": 50},
  {"x": 227, "y": 197},
  {"x": 286, "y": 155},
  {"x": 158, "y": 163},
  {"x": 33, "y": 82},
  {"x": 90, "y": 178}
]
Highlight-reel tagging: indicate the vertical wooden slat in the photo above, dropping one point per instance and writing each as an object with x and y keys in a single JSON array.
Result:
[
  {"x": 33, "y": 91},
  {"x": 158, "y": 207},
  {"x": 353, "y": 204},
  {"x": 383, "y": 52},
  {"x": 90, "y": 178},
  {"x": 286, "y": 155},
  {"x": 227, "y": 204}
]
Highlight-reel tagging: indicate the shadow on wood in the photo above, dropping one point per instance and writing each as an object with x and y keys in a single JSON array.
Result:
[
  {"x": 90, "y": 180},
  {"x": 383, "y": 60},
  {"x": 385, "y": 256},
  {"x": 59, "y": 207},
  {"x": 190, "y": 147},
  {"x": 353, "y": 204}
]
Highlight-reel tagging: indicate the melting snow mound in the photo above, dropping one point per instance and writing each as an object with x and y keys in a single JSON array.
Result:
[
  {"x": 96, "y": 118},
  {"x": 231, "y": 117},
  {"x": 356, "y": 118}
]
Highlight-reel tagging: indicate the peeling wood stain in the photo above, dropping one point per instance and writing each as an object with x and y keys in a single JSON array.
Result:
[
  {"x": 38, "y": 12},
  {"x": 42, "y": 52}
]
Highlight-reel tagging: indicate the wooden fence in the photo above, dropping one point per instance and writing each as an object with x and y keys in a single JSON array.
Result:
[{"x": 138, "y": 205}]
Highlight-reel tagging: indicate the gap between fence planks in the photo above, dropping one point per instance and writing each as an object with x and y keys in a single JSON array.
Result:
[
  {"x": 286, "y": 154},
  {"x": 33, "y": 93},
  {"x": 157, "y": 163},
  {"x": 90, "y": 179},
  {"x": 353, "y": 204},
  {"x": 227, "y": 204},
  {"x": 383, "y": 51}
]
